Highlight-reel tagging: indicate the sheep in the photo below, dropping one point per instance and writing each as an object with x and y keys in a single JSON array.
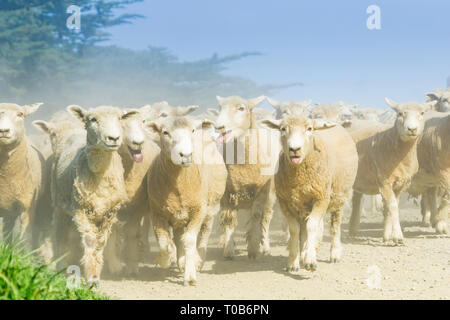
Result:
[
  {"x": 317, "y": 169},
  {"x": 185, "y": 184},
  {"x": 163, "y": 109},
  {"x": 333, "y": 112},
  {"x": 289, "y": 108},
  {"x": 442, "y": 97},
  {"x": 137, "y": 153},
  {"x": 22, "y": 174},
  {"x": 387, "y": 163},
  {"x": 90, "y": 188},
  {"x": 250, "y": 184},
  {"x": 433, "y": 153}
]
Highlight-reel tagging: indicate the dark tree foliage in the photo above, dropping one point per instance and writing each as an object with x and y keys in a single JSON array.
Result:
[{"x": 42, "y": 60}]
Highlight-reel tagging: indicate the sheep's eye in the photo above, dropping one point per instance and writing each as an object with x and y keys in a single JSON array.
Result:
[
  {"x": 20, "y": 114},
  {"x": 422, "y": 113},
  {"x": 165, "y": 132},
  {"x": 241, "y": 108},
  {"x": 193, "y": 130},
  {"x": 163, "y": 115},
  {"x": 283, "y": 129},
  {"x": 309, "y": 129},
  {"x": 93, "y": 119}
]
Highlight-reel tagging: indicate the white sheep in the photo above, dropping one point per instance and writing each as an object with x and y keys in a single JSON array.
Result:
[
  {"x": 387, "y": 163},
  {"x": 250, "y": 184},
  {"x": 22, "y": 174},
  {"x": 185, "y": 184},
  {"x": 90, "y": 188},
  {"x": 315, "y": 176},
  {"x": 433, "y": 153}
]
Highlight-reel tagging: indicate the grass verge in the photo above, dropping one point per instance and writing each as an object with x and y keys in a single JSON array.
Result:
[{"x": 23, "y": 278}]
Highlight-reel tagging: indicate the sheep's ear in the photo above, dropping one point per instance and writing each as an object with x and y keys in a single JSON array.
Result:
[
  {"x": 321, "y": 124},
  {"x": 271, "y": 124},
  {"x": 153, "y": 127},
  {"x": 182, "y": 111},
  {"x": 128, "y": 113},
  {"x": 255, "y": 101},
  {"x": 432, "y": 96},
  {"x": 219, "y": 99},
  {"x": 427, "y": 106},
  {"x": 29, "y": 109},
  {"x": 392, "y": 104},
  {"x": 77, "y": 111},
  {"x": 43, "y": 126},
  {"x": 206, "y": 124},
  {"x": 212, "y": 112},
  {"x": 273, "y": 103}
]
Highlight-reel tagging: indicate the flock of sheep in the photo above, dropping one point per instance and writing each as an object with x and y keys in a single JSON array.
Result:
[{"x": 91, "y": 186}]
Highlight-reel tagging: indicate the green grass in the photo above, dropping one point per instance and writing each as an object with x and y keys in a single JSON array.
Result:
[{"x": 23, "y": 278}]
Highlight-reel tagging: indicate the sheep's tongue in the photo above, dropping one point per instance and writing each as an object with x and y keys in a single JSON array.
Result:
[
  {"x": 222, "y": 137},
  {"x": 295, "y": 159},
  {"x": 137, "y": 155}
]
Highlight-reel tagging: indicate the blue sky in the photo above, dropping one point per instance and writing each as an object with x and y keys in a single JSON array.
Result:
[{"x": 323, "y": 44}]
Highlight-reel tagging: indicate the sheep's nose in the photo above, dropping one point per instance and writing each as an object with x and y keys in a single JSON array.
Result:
[
  {"x": 221, "y": 128},
  {"x": 186, "y": 155},
  {"x": 5, "y": 130},
  {"x": 113, "y": 139},
  {"x": 138, "y": 143},
  {"x": 412, "y": 130},
  {"x": 294, "y": 150}
]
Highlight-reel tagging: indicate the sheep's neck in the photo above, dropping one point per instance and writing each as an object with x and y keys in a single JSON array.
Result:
[
  {"x": 98, "y": 160},
  {"x": 14, "y": 157},
  {"x": 174, "y": 171},
  {"x": 127, "y": 162}
]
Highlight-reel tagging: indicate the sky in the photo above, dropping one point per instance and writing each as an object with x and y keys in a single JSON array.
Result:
[{"x": 323, "y": 44}]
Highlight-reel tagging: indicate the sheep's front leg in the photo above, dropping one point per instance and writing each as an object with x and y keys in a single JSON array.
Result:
[
  {"x": 439, "y": 214},
  {"x": 205, "y": 233},
  {"x": 335, "y": 230},
  {"x": 181, "y": 255},
  {"x": 133, "y": 244},
  {"x": 425, "y": 209},
  {"x": 112, "y": 251},
  {"x": 192, "y": 258},
  {"x": 258, "y": 225},
  {"x": 228, "y": 220},
  {"x": 94, "y": 241},
  {"x": 293, "y": 264},
  {"x": 356, "y": 213},
  {"x": 8, "y": 227},
  {"x": 162, "y": 234},
  {"x": 392, "y": 228},
  {"x": 26, "y": 226},
  {"x": 313, "y": 226}
]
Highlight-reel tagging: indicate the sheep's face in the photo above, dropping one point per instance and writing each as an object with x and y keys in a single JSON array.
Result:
[
  {"x": 103, "y": 126},
  {"x": 442, "y": 98},
  {"x": 177, "y": 137},
  {"x": 410, "y": 118},
  {"x": 297, "y": 135},
  {"x": 235, "y": 116},
  {"x": 334, "y": 113},
  {"x": 283, "y": 109},
  {"x": 133, "y": 134},
  {"x": 12, "y": 117},
  {"x": 163, "y": 110}
]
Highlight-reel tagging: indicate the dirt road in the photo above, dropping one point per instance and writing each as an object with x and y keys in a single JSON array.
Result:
[{"x": 369, "y": 270}]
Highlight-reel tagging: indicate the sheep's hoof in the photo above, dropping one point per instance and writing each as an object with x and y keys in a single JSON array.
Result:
[
  {"x": 252, "y": 255},
  {"x": 292, "y": 269},
  {"x": 191, "y": 282},
  {"x": 311, "y": 266},
  {"x": 441, "y": 227},
  {"x": 334, "y": 260},
  {"x": 398, "y": 241},
  {"x": 93, "y": 283}
]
